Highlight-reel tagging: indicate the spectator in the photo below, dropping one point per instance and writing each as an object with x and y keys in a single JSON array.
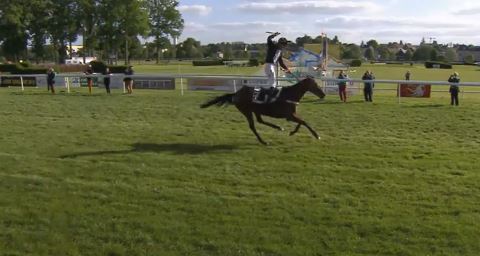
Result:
[
  {"x": 368, "y": 86},
  {"x": 407, "y": 75},
  {"x": 51, "y": 80},
  {"x": 128, "y": 80},
  {"x": 342, "y": 86},
  {"x": 454, "y": 89},
  {"x": 274, "y": 58},
  {"x": 89, "y": 71},
  {"x": 106, "y": 79}
]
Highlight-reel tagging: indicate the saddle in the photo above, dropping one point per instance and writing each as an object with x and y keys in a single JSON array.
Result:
[{"x": 265, "y": 95}]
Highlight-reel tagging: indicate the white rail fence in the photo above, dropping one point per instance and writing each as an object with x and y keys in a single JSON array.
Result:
[{"x": 221, "y": 82}]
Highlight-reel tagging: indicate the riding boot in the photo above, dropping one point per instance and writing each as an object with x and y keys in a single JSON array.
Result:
[{"x": 270, "y": 93}]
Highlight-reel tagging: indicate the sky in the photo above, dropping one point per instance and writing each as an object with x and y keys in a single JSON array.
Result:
[{"x": 353, "y": 21}]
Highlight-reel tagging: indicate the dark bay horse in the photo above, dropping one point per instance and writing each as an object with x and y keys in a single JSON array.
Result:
[{"x": 284, "y": 107}]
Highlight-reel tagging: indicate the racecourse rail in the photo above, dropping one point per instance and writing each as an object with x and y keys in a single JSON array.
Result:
[{"x": 327, "y": 82}]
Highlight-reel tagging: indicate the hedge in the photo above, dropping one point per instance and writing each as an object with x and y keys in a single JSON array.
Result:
[
  {"x": 355, "y": 63},
  {"x": 26, "y": 71},
  {"x": 431, "y": 64},
  {"x": 218, "y": 62}
]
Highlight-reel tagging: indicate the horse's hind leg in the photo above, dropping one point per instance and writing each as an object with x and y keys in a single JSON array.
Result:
[
  {"x": 299, "y": 121},
  {"x": 251, "y": 124},
  {"x": 260, "y": 120}
]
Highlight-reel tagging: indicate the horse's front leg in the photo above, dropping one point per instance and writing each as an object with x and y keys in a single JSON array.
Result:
[
  {"x": 251, "y": 124},
  {"x": 299, "y": 121},
  {"x": 295, "y": 130},
  {"x": 260, "y": 120}
]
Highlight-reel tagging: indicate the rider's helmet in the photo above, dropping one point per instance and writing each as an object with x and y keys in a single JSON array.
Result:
[{"x": 282, "y": 41}]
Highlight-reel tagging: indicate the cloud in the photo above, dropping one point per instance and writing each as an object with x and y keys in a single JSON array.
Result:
[
  {"x": 469, "y": 11},
  {"x": 194, "y": 27},
  {"x": 248, "y": 25},
  {"x": 327, "y": 7},
  {"x": 411, "y": 23},
  {"x": 202, "y": 10}
]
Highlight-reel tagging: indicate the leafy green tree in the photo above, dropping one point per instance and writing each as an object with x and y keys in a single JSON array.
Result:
[
  {"x": 352, "y": 51},
  {"x": 384, "y": 52},
  {"x": 408, "y": 55},
  {"x": 423, "y": 53},
  {"x": 165, "y": 21},
  {"x": 451, "y": 55},
  {"x": 38, "y": 27},
  {"x": 372, "y": 43},
  {"x": 14, "y": 20},
  {"x": 370, "y": 53},
  {"x": 301, "y": 41},
  {"x": 434, "y": 54},
  {"x": 469, "y": 59}
]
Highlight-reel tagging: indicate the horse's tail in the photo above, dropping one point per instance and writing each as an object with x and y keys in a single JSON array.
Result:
[{"x": 219, "y": 101}]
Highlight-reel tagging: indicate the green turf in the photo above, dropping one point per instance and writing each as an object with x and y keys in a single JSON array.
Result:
[{"x": 152, "y": 174}]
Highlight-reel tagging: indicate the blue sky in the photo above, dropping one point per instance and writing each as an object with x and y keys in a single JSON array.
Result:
[{"x": 212, "y": 21}]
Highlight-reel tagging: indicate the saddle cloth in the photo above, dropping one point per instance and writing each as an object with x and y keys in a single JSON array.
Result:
[{"x": 265, "y": 95}]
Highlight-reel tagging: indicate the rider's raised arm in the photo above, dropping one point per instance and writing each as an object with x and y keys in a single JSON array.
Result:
[{"x": 270, "y": 39}]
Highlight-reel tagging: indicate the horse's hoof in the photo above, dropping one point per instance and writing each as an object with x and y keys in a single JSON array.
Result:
[
  {"x": 281, "y": 129},
  {"x": 292, "y": 133},
  {"x": 319, "y": 138}
]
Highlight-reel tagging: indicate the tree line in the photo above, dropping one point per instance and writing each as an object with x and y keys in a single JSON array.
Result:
[{"x": 107, "y": 27}]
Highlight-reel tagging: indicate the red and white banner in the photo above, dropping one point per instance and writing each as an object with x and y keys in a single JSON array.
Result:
[{"x": 414, "y": 90}]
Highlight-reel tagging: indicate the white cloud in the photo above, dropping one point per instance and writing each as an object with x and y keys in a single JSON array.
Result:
[
  {"x": 469, "y": 11},
  {"x": 299, "y": 8},
  {"x": 369, "y": 23},
  {"x": 194, "y": 27},
  {"x": 202, "y": 10}
]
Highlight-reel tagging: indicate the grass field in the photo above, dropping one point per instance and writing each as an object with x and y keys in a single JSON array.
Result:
[{"x": 152, "y": 174}]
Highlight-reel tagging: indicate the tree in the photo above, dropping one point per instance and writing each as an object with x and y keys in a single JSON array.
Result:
[
  {"x": 384, "y": 52},
  {"x": 14, "y": 20},
  {"x": 38, "y": 28},
  {"x": 423, "y": 53},
  {"x": 133, "y": 22},
  {"x": 370, "y": 53},
  {"x": 408, "y": 55},
  {"x": 469, "y": 59},
  {"x": 372, "y": 43},
  {"x": 451, "y": 55},
  {"x": 165, "y": 21},
  {"x": 434, "y": 54},
  {"x": 352, "y": 51},
  {"x": 301, "y": 41}
]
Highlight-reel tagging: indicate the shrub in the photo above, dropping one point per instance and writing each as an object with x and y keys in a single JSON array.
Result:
[
  {"x": 433, "y": 64},
  {"x": 24, "y": 64},
  {"x": 356, "y": 63},
  {"x": 26, "y": 71},
  {"x": 253, "y": 63},
  {"x": 218, "y": 62},
  {"x": 117, "y": 69},
  {"x": 9, "y": 67},
  {"x": 98, "y": 66}
]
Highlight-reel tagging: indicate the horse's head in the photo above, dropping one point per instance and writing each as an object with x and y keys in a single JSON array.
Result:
[{"x": 313, "y": 87}]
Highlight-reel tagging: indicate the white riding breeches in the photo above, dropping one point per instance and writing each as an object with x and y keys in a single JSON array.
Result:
[{"x": 271, "y": 73}]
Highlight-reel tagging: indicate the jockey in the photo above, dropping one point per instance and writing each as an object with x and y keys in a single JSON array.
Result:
[{"x": 274, "y": 57}]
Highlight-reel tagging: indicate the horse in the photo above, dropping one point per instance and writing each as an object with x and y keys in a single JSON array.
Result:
[{"x": 284, "y": 107}]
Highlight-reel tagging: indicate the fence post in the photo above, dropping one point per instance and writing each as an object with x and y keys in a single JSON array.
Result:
[
  {"x": 21, "y": 82},
  {"x": 68, "y": 83},
  {"x": 399, "y": 93}
]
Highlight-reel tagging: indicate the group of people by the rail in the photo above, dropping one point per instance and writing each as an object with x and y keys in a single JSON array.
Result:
[{"x": 128, "y": 80}]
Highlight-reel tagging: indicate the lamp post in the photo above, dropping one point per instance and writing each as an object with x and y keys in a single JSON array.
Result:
[{"x": 84, "y": 42}]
